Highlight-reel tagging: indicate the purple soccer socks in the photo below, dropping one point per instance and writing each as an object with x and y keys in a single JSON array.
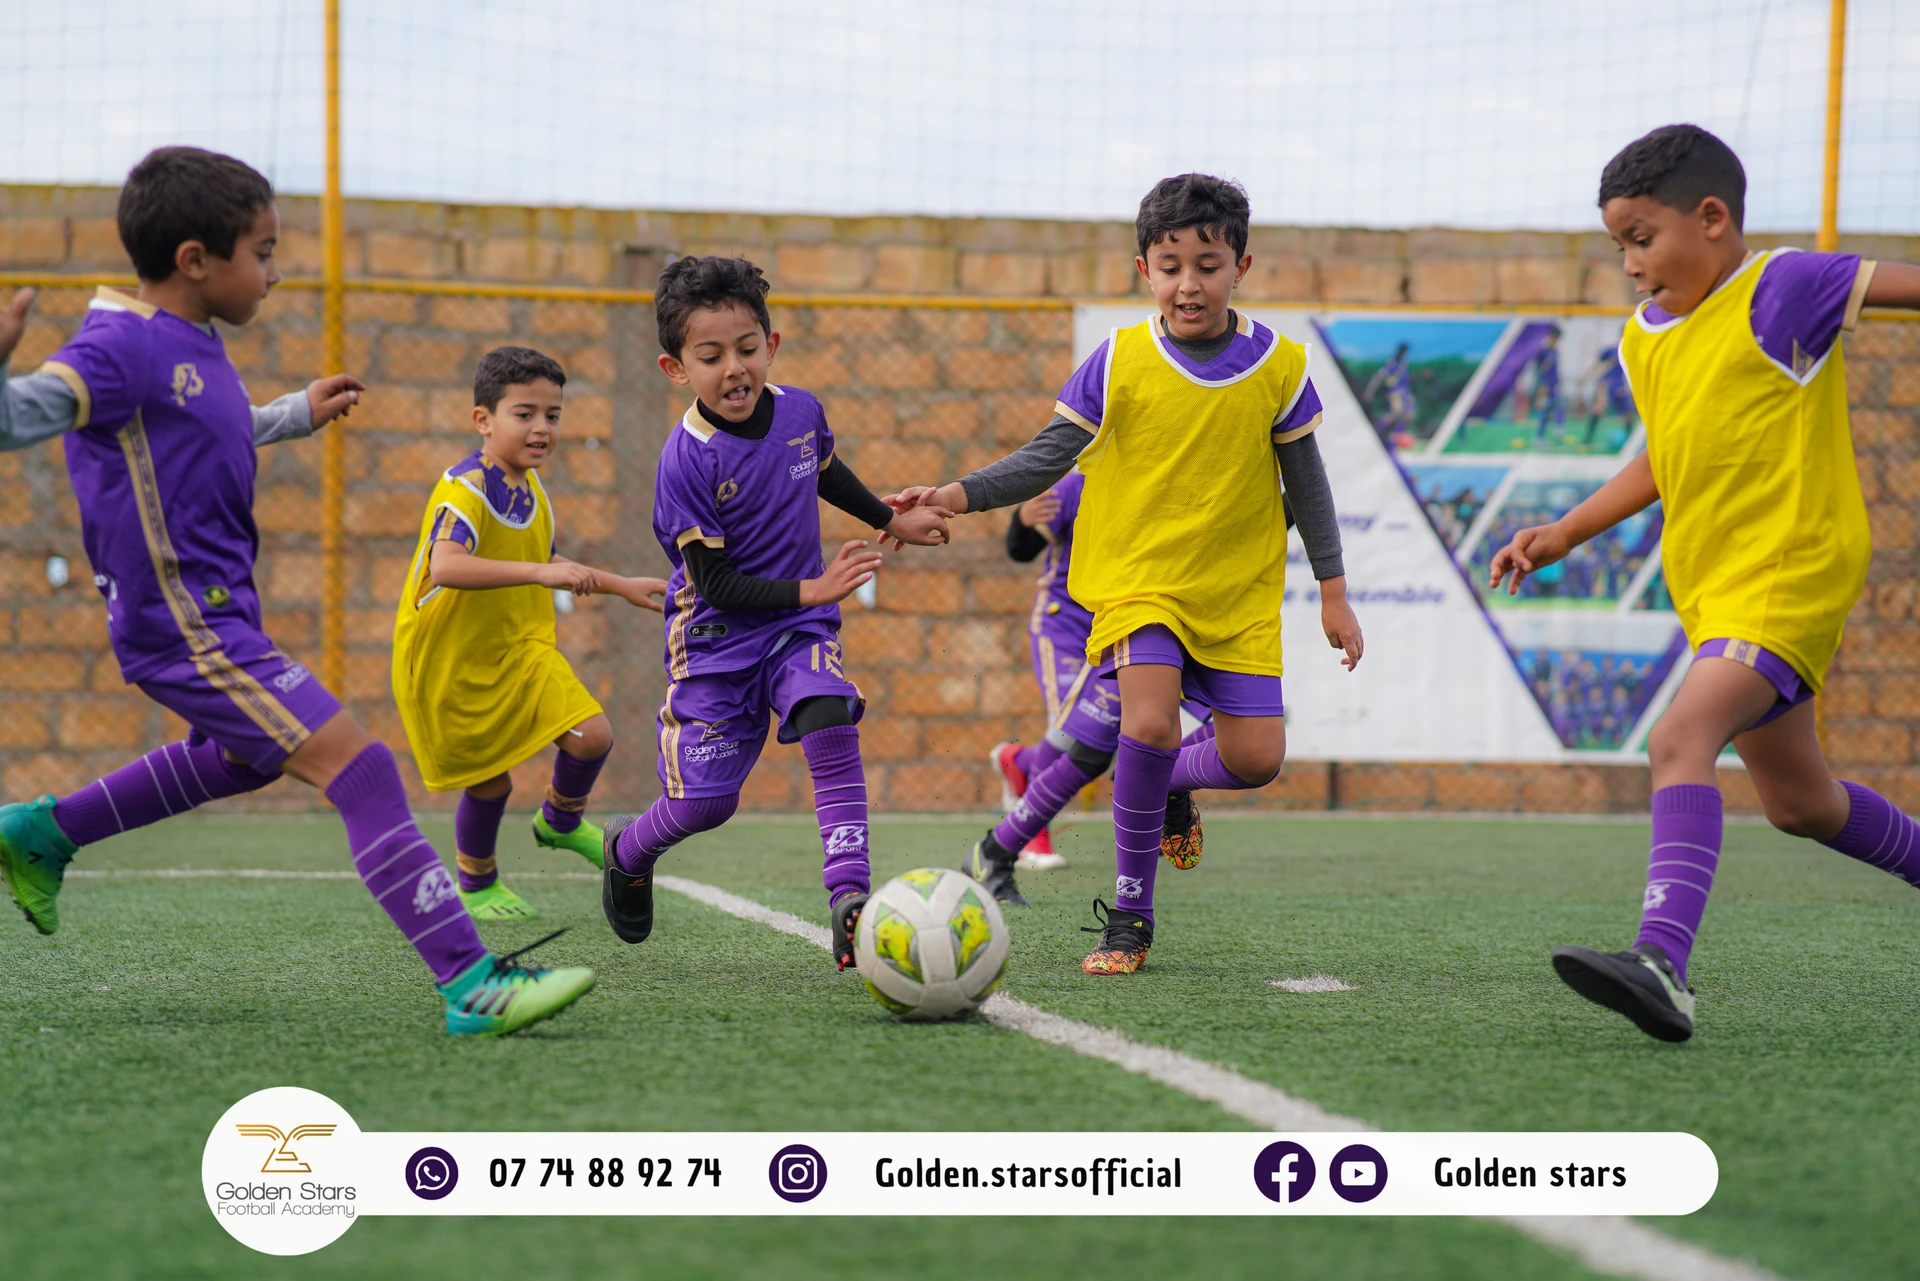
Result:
[
  {"x": 166, "y": 781},
  {"x": 399, "y": 867},
  {"x": 476, "y": 829},
  {"x": 1037, "y": 759},
  {"x": 1140, "y": 777},
  {"x": 573, "y": 781},
  {"x": 1686, "y": 852},
  {"x": 1879, "y": 834},
  {"x": 1047, "y": 794},
  {"x": 1199, "y": 765},
  {"x": 666, "y": 823},
  {"x": 840, "y": 803}
]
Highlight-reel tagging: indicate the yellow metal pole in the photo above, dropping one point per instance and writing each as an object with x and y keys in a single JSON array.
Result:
[
  {"x": 333, "y": 465},
  {"x": 1829, "y": 238}
]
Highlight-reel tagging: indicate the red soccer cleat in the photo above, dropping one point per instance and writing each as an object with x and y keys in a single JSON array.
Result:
[
  {"x": 1013, "y": 779},
  {"x": 1039, "y": 854}
]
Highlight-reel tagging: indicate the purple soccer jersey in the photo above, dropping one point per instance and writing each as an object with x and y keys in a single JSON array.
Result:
[
  {"x": 1800, "y": 306},
  {"x": 162, "y": 463},
  {"x": 758, "y": 500}
]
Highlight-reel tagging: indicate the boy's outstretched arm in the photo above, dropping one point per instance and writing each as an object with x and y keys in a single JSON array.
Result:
[
  {"x": 1894, "y": 284},
  {"x": 453, "y": 566},
  {"x": 634, "y": 591},
  {"x": 1631, "y": 490},
  {"x": 1027, "y": 472},
  {"x": 299, "y": 414}
]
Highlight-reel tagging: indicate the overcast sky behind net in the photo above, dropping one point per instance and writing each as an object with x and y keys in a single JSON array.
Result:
[{"x": 1367, "y": 113}]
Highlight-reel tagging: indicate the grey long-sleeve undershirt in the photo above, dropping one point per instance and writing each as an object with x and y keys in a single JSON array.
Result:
[
  {"x": 39, "y": 407},
  {"x": 1033, "y": 468}
]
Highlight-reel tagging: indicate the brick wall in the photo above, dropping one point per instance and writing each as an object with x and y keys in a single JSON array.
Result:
[{"x": 915, "y": 395}]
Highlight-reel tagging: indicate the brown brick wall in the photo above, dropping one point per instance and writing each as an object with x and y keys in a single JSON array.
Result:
[{"x": 914, "y": 395}]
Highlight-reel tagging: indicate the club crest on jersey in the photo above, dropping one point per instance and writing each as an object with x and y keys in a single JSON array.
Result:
[
  {"x": 809, "y": 457},
  {"x": 186, "y": 382},
  {"x": 710, "y": 730},
  {"x": 728, "y": 488}
]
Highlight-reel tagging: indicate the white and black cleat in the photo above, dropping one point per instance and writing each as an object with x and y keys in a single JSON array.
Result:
[{"x": 1639, "y": 983}]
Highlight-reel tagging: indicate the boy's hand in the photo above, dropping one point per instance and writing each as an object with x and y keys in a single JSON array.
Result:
[
  {"x": 921, "y": 526},
  {"x": 1532, "y": 548},
  {"x": 13, "y": 322},
  {"x": 638, "y": 591},
  {"x": 1036, "y": 512},
  {"x": 565, "y": 576},
  {"x": 850, "y": 570},
  {"x": 333, "y": 397},
  {"x": 908, "y": 498},
  {"x": 1337, "y": 620}
]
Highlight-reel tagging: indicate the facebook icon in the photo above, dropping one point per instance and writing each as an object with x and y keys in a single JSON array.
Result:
[{"x": 1283, "y": 1171}]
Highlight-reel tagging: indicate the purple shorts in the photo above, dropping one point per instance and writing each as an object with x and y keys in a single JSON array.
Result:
[
  {"x": 1057, "y": 660},
  {"x": 1090, "y": 710},
  {"x": 1779, "y": 672},
  {"x": 712, "y": 727},
  {"x": 1235, "y": 693},
  {"x": 247, "y": 696}
]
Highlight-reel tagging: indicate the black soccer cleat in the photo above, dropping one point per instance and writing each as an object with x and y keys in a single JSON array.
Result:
[
  {"x": 1125, "y": 938},
  {"x": 1640, "y": 983},
  {"x": 626, "y": 898},
  {"x": 1180, "y": 831},
  {"x": 846, "y": 919},
  {"x": 992, "y": 866}
]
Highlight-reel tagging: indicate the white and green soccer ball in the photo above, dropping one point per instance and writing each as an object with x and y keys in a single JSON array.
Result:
[{"x": 931, "y": 944}]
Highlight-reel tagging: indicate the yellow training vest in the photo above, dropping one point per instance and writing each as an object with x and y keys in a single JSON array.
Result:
[
  {"x": 479, "y": 680},
  {"x": 1180, "y": 521},
  {"x": 1766, "y": 536}
]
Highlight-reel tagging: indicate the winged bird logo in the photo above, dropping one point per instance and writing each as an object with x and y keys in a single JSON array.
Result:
[{"x": 282, "y": 1159}]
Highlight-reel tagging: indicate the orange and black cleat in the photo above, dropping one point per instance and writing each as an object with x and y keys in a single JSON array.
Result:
[
  {"x": 1181, "y": 841},
  {"x": 1125, "y": 938}
]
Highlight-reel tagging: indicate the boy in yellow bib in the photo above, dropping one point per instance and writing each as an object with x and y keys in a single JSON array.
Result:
[
  {"x": 1178, "y": 423},
  {"x": 1735, "y": 366},
  {"x": 480, "y": 682}
]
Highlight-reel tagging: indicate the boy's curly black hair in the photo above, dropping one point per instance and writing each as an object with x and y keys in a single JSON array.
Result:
[
  {"x": 1217, "y": 208},
  {"x": 1678, "y": 165},
  {"x": 693, "y": 284}
]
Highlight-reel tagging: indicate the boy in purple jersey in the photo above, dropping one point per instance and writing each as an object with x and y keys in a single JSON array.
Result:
[
  {"x": 753, "y": 617},
  {"x": 160, "y": 449}
]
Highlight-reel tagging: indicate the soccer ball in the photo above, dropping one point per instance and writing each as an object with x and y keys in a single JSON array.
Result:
[{"x": 931, "y": 944}]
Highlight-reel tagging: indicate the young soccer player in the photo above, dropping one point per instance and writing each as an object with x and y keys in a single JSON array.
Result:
[
  {"x": 160, "y": 450},
  {"x": 480, "y": 682},
  {"x": 1180, "y": 545},
  {"x": 1736, "y": 370},
  {"x": 753, "y": 617}
]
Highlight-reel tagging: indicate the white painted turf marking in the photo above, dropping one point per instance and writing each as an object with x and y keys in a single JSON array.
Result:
[
  {"x": 1311, "y": 983},
  {"x": 1616, "y": 1246}
]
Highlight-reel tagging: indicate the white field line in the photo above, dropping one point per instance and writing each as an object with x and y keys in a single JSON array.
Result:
[
  {"x": 1311, "y": 983},
  {"x": 1615, "y": 1246}
]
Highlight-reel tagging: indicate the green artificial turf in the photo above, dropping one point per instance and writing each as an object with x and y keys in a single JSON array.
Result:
[{"x": 164, "y": 1000}]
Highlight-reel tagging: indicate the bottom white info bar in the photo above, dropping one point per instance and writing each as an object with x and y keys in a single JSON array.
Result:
[{"x": 288, "y": 1168}]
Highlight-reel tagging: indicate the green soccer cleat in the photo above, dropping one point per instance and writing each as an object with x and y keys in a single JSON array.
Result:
[
  {"x": 493, "y": 996},
  {"x": 585, "y": 840},
  {"x": 498, "y": 903},
  {"x": 34, "y": 854}
]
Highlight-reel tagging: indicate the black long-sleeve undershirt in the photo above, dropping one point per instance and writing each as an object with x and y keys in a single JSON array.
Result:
[{"x": 713, "y": 575}]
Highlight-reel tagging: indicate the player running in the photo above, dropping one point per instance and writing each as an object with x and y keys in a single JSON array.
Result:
[
  {"x": 160, "y": 442},
  {"x": 1181, "y": 541},
  {"x": 477, "y": 670},
  {"x": 753, "y": 615},
  {"x": 1737, "y": 373}
]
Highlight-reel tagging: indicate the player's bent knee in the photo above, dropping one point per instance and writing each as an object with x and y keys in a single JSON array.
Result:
[
  {"x": 709, "y": 812},
  {"x": 1091, "y": 761},
  {"x": 823, "y": 711},
  {"x": 1255, "y": 769},
  {"x": 492, "y": 789},
  {"x": 590, "y": 739}
]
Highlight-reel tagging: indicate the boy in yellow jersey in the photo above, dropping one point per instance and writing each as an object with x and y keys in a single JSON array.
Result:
[
  {"x": 480, "y": 683},
  {"x": 1735, "y": 365},
  {"x": 1181, "y": 540}
]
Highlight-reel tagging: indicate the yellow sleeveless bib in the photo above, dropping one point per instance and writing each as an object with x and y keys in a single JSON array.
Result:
[
  {"x": 1766, "y": 536},
  {"x": 480, "y": 683},
  {"x": 1180, "y": 522}
]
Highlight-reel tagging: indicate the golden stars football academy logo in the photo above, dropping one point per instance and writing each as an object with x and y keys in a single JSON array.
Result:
[
  {"x": 281, "y": 1158},
  {"x": 186, "y": 382},
  {"x": 806, "y": 444}
]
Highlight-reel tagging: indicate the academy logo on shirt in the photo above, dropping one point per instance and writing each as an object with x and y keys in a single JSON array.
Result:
[
  {"x": 728, "y": 488},
  {"x": 434, "y": 888},
  {"x": 809, "y": 459},
  {"x": 186, "y": 382}
]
